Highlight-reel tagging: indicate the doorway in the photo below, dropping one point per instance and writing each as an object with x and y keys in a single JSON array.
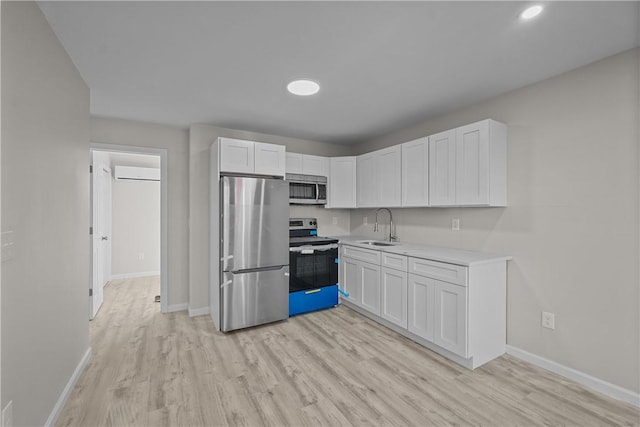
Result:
[{"x": 128, "y": 218}]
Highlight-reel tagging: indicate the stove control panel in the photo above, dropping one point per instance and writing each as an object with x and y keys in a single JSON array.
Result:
[{"x": 303, "y": 224}]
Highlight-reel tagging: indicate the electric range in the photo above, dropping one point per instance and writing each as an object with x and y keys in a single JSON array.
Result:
[{"x": 313, "y": 268}]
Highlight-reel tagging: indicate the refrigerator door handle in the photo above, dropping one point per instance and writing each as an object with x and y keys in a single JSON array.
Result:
[{"x": 257, "y": 270}]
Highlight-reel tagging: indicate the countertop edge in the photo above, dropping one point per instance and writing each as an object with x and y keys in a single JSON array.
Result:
[{"x": 414, "y": 251}]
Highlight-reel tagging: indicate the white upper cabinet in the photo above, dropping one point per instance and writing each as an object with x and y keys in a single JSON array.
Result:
[
  {"x": 270, "y": 159},
  {"x": 389, "y": 175},
  {"x": 468, "y": 165},
  {"x": 307, "y": 164},
  {"x": 415, "y": 172},
  {"x": 379, "y": 179},
  {"x": 294, "y": 163},
  {"x": 366, "y": 181},
  {"x": 442, "y": 168},
  {"x": 481, "y": 164},
  {"x": 342, "y": 182},
  {"x": 236, "y": 155},
  {"x": 315, "y": 165},
  {"x": 249, "y": 157}
]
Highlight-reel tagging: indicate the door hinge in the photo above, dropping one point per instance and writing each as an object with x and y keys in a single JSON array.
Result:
[
  {"x": 90, "y": 292},
  {"x": 90, "y": 168},
  {"x": 91, "y": 230}
]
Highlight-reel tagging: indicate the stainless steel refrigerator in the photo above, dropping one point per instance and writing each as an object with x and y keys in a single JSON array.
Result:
[{"x": 254, "y": 251}]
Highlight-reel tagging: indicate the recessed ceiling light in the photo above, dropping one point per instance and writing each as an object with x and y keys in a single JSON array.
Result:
[
  {"x": 531, "y": 12},
  {"x": 303, "y": 87}
]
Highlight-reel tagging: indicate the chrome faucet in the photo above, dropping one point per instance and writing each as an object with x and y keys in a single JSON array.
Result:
[{"x": 392, "y": 237}]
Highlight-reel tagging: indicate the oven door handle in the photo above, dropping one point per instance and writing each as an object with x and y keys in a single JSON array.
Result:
[{"x": 308, "y": 249}]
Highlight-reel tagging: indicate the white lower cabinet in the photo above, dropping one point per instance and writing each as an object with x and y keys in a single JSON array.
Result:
[
  {"x": 394, "y": 296},
  {"x": 349, "y": 279},
  {"x": 450, "y": 317},
  {"x": 420, "y": 317},
  {"x": 360, "y": 279},
  {"x": 369, "y": 281},
  {"x": 456, "y": 310}
]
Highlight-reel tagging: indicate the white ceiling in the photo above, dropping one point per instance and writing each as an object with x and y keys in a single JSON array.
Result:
[{"x": 382, "y": 66}]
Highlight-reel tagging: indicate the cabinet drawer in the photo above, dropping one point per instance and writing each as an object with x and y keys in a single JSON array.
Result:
[
  {"x": 397, "y": 262},
  {"x": 439, "y": 270},
  {"x": 361, "y": 254}
]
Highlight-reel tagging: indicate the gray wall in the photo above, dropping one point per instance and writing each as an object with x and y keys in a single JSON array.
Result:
[
  {"x": 45, "y": 202},
  {"x": 135, "y": 228},
  {"x": 572, "y": 218},
  {"x": 176, "y": 142},
  {"x": 201, "y": 138}
]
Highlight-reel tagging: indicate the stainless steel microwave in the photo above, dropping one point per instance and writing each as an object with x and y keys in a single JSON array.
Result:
[{"x": 307, "y": 189}]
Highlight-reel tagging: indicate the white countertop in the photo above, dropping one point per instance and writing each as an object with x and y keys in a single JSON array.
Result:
[{"x": 436, "y": 253}]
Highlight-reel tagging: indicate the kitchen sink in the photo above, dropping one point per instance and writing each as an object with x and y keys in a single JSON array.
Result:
[{"x": 377, "y": 243}]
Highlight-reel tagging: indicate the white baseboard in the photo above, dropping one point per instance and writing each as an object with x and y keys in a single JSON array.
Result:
[
  {"x": 62, "y": 400},
  {"x": 177, "y": 307},
  {"x": 133, "y": 275},
  {"x": 193, "y": 312},
  {"x": 587, "y": 380}
]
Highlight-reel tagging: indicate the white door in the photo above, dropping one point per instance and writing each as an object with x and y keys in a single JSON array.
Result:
[
  {"x": 366, "y": 181},
  {"x": 450, "y": 328},
  {"x": 342, "y": 182},
  {"x": 394, "y": 296},
  {"x": 389, "y": 186},
  {"x": 236, "y": 155},
  {"x": 415, "y": 172},
  {"x": 315, "y": 165},
  {"x": 420, "y": 316},
  {"x": 270, "y": 159},
  {"x": 349, "y": 280},
  {"x": 472, "y": 164},
  {"x": 101, "y": 223},
  {"x": 369, "y": 281},
  {"x": 442, "y": 169}
]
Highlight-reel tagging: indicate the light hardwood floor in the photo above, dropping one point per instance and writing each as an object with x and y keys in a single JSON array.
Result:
[{"x": 333, "y": 367}]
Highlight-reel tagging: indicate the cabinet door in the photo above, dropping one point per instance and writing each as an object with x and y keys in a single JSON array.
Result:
[
  {"x": 366, "y": 181},
  {"x": 442, "y": 169},
  {"x": 294, "y": 163},
  {"x": 315, "y": 165},
  {"x": 349, "y": 270},
  {"x": 472, "y": 164},
  {"x": 389, "y": 187},
  {"x": 342, "y": 182},
  {"x": 236, "y": 155},
  {"x": 415, "y": 172},
  {"x": 420, "y": 301},
  {"x": 394, "y": 296},
  {"x": 270, "y": 159},
  {"x": 369, "y": 279},
  {"x": 450, "y": 326}
]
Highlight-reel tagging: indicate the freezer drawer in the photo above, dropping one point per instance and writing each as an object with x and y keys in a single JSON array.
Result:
[{"x": 253, "y": 298}]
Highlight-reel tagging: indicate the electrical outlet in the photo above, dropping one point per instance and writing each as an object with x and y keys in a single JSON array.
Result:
[
  {"x": 365, "y": 220},
  {"x": 548, "y": 320},
  {"x": 7, "y": 415},
  {"x": 141, "y": 256},
  {"x": 335, "y": 220},
  {"x": 455, "y": 224}
]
